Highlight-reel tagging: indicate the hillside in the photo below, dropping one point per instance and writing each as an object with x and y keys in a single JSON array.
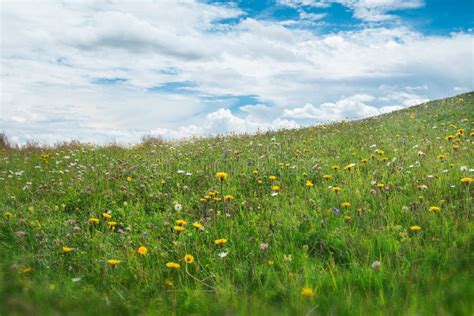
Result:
[{"x": 372, "y": 216}]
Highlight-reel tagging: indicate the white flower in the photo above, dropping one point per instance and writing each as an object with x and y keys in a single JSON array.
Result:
[
  {"x": 223, "y": 254},
  {"x": 76, "y": 279},
  {"x": 274, "y": 193},
  {"x": 264, "y": 246},
  {"x": 376, "y": 265},
  {"x": 177, "y": 207},
  {"x": 189, "y": 173},
  {"x": 463, "y": 168},
  {"x": 181, "y": 171}
]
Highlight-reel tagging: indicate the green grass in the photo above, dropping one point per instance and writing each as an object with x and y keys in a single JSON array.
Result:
[{"x": 51, "y": 194}]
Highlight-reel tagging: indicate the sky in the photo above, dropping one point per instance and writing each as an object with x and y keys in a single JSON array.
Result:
[{"x": 114, "y": 71}]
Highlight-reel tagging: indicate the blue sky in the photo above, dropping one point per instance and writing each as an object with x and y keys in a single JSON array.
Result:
[{"x": 117, "y": 70}]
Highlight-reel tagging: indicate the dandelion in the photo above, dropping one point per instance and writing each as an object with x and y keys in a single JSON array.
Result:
[
  {"x": 181, "y": 222},
  {"x": 94, "y": 220},
  {"x": 197, "y": 225},
  {"x": 67, "y": 250},
  {"x": 380, "y": 185},
  {"x": 350, "y": 166},
  {"x": 228, "y": 197},
  {"x": 434, "y": 209},
  {"x": 273, "y": 178},
  {"x": 364, "y": 161},
  {"x": 221, "y": 176},
  {"x": 188, "y": 259},
  {"x": 168, "y": 283},
  {"x": 220, "y": 242},
  {"x": 415, "y": 228},
  {"x": 129, "y": 179},
  {"x": 327, "y": 176},
  {"x": 112, "y": 224},
  {"x": 106, "y": 215},
  {"x": 335, "y": 167},
  {"x": 113, "y": 262},
  {"x": 345, "y": 204},
  {"x": 8, "y": 214},
  {"x": 309, "y": 184},
  {"x": 275, "y": 188},
  {"x": 307, "y": 292},
  {"x": 336, "y": 190},
  {"x": 347, "y": 218},
  {"x": 142, "y": 250},
  {"x": 172, "y": 265},
  {"x": 178, "y": 228},
  {"x": 467, "y": 180}
]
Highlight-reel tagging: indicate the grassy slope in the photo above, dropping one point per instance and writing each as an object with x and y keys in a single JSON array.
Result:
[{"x": 309, "y": 244}]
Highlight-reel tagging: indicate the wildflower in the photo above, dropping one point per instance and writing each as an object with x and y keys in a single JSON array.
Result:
[
  {"x": 309, "y": 184},
  {"x": 307, "y": 292},
  {"x": 178, "y": 228},
  {"x": 327, "y": 176},
  {"x": 168, "y": 282},
  {"x": 188, "y": 259},
  {"x": 67, "y": 249},
  {"x": 142, "y": 250},
  {"x": 380, "y": 185},
  {"x": 221, "y": 176},
  {"x": 197, "y": 225},
  {"x": 8, "y": 214},
  {"x": 172, "y": 265},
  {"x": 181, "y": 222},
  {"x": 94, "y": 220},
  {"x": 273, "y": 178},
  {"x": 228, "y": 197},
  {"x": 129, "y": 179},
  {"x": 255, "y": 172},
  {"x": 347, "y": 218},
  {"x": 364, "y": 161},
  {"x": 335, "y": 167},
  {"x": 415, "y": 228},
  {"x": 350, "y": 166},
  {"x": 220, "y": 242},
  {"x": 106, "y": 215},
  {"x": 434, "y": 209},
  {"x": 177, "y": 207},
  {"x": 263, "y": 246},
  {"x": 222, "y": 254},
  {"x": 345, "y": 204},
  {"x": 467, "y": 180},
  {"x": 376, "y": 265},
  {"x": 113, "y": 262},
  {"x": 336, "y": 189},
  {"x": 275, "y": 188},
  {"x": 336, "y": 210}
]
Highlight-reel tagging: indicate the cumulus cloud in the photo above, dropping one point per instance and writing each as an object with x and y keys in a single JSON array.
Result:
[{"x": 108, "y": 69}]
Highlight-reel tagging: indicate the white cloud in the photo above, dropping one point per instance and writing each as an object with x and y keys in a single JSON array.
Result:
[{"x": 53, "y": 53}]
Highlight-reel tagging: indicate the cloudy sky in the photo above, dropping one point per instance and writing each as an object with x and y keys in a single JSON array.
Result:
[{"x": 113, "y": 70}]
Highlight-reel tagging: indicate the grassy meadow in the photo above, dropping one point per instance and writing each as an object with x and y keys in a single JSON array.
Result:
[{"x": 363, "y": 217}]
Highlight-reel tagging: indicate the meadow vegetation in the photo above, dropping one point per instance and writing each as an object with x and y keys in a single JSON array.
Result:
[{"x": 363, "y": 217}]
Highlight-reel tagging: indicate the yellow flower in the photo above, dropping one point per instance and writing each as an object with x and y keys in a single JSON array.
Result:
[
  {"x": 8, "y": 214},
  {"x": 112, "y": 224},
  {"x": 467, "y": 180},
  {"x": 273, "y": 178},
  {"x": 129, "y": 179},
  {"x": 415, "y": 228},
  {"x": 221, "y": 176},
  {"x": 106, "y": 215},
  {"x": 179, "y": 228},
  {"x": 94, "y": 220},
  {"x": 335, "y": 167},
  {"x": 113, "y": 262},
  {"x": 142, "y": 250},
  {"x": 260, "y": 181},
  {"x": 307, "y": 292},
  {"x": 347, "y": 218},
  {"x": 364, "y": 160},
  {"x": 309, "y": 184},
  {"x": 434, "y": 209},
  {"x": 67, "y": 249},
  {"x": 197, "y": 225},
  {"x": 181, "y": 222},
  {"x": 380, "y": 185},
  {"x": 327, "y": 176},
  {"x": 275, "y": 188},
  {"x": 172, "y": 265},
  {"x": 336, "y": 189},
  {"x": 168, "y": 282},
  {"x": 220, "y": 242},
  {"x": 345, "y": 204},
  {"x": 228, "y": 197},
  {"x": 350, "y": 166},
  {"x": 255, "y": 172},
  {"x": 188, "y": 259}
]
